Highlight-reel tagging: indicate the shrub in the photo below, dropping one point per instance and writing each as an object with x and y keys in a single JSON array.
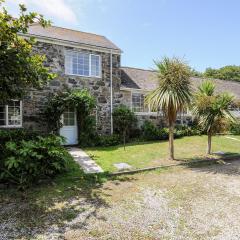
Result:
[
  {"x": 24, "y": 162},
  {"x": 235, "y": 128},
  {"x": 89, "y": 137},
  {"x": 152, "y": 132},
  {"x": 124, "y": 121},
  {"x": 109, "y": 140}
]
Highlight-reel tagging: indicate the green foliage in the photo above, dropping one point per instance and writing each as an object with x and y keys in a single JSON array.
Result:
[
  {"x": 230, "y": 72},
  {"x": 124, "y": 120},
  {"x": 89, "y": 137},
  {"x": 195, "y": 73},
  {"x": 109, "y": 140},
  {"x": 24, "y": 162},
  {"x": 174, "y": 92},
  {"x": 151, "y": 132},
  {"x": 20, "y": 69},
  {"x": 82, "y": 101},
  {"x": 211, "y": 109},
  {"x": 16, "y": 135},
  {"x": 235, "y": 128}
]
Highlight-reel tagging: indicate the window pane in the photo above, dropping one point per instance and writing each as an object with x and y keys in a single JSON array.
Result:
[
  {"x": 95, "y": 65},
  {"x": 69, "y": 117},
  {"x": 2, "y": 115},
  {"x": 14, "y": 113},
  {"x": 138, "y": 102},
  {"x": 79, "y": 63}
]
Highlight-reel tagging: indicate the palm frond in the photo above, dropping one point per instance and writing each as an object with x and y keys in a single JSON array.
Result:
[{"x": 174, "y": 91}]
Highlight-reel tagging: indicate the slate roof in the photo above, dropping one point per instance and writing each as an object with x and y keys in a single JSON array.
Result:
[
  {"x": 59, "y": 33},
  {"x": 136, "y": 78}
]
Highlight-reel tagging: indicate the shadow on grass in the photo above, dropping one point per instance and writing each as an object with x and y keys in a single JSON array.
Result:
[
  {"x": 130, "y": 144},
  {"x": 70, "y": 200},
  {"x": 228, "y": 164}
]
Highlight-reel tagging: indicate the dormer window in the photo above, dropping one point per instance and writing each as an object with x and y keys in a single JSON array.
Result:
[{"x": 82, "y": 64}]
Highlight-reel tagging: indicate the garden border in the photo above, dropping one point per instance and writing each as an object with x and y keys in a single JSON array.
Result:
[{"x": 210, "y": 160}]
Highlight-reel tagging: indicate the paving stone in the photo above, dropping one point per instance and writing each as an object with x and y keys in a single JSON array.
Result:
[
  {"x": 88, "y": 165},
  {"x": 122, "y": 166}
]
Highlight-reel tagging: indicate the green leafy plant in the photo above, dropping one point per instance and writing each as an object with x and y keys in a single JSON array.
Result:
[
  {"x": 230, "y": 72},
  {"x": 109, "y": 140},
  {"x": 212, "y": 110},
  {"x": 151, "y": 132},
  {"x": 123, "y": 121},
  {"x": 24, "y": 162},
  {"x": 20, "y": 68},
  {"x": 84, "y": 104},
  {"x": 234, "y": 128}
]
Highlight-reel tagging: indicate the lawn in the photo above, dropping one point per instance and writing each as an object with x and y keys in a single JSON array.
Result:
[{"x": 149, "y": 154}]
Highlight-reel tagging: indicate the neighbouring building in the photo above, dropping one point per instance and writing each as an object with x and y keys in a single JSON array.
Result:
[{"x": 86, "y": 60}]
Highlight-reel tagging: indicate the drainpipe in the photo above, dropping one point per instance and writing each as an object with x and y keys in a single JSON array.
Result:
[{"x": 111, "y": 92}]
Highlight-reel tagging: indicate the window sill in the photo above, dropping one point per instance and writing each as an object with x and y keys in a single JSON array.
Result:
[
  {"x": 71, "y": 74},
  {"x": 10, "y": 126},
  {"x": 147, "y": 114}
]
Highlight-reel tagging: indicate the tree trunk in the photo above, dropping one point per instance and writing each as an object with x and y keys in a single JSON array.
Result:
[
  {"x": 124, "y": 139},
  {"x": 171, "y": 139},
  {"x": 209, "y": 147}
]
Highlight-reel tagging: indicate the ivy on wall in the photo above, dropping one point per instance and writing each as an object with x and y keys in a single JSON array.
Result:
[{"x": 81, "y": 100}]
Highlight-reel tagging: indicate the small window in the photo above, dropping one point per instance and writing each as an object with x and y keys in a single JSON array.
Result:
[
  {"x": 82, "y": 64},
  {"x": 69, "y": 117},
  {"x": 138, "y": 102},
  {"x": 11, "y": 114}
]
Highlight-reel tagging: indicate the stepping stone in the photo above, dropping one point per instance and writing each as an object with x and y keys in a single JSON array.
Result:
[
  {"x": 122, "y": 166},
  {"x": 87, "y": 164},
  {"x": 219, "y": 153}
]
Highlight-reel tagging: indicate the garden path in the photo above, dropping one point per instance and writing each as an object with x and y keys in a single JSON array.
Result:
[{"x": 88, "y": 165}]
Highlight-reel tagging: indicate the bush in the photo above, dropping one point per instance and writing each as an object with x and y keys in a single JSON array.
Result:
[
  {"x": 124, "y": 121},
  {"x": 24, "y": 162},
  {"x": 89, "y": 137},
  {"x": 15, "y": 134},
  {"x": 235, "y": 128},
  {"x": 152, "y": 132},
  {"x": 109, "y": 140}
]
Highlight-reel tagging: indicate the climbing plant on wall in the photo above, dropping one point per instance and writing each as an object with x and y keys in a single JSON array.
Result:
[{"x": 81, "y": 100}]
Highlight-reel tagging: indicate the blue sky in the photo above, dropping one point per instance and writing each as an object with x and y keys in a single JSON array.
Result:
[{"x": 204, "y": 32}]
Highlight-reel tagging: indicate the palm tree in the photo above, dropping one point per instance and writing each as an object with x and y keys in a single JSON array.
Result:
[
  {"x": 173, "y": 93},
  {"x": 212, "y": 110}
]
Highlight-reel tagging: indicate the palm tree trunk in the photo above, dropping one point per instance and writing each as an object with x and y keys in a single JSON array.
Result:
[
  {"x": 209, "y": 147},
  {"x": 171, "y": 139},
  {"x": 124, "y": 139}
]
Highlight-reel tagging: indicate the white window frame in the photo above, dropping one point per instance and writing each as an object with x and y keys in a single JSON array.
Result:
[
  {"x": 90, "y": 64},
  {"x": 6, "y": 117},
  {"x": 148, "y": 112},
  {"x": 75, "y": 119}
]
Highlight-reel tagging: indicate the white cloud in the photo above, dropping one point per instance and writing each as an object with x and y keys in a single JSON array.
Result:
[{"x": 59, "y": 9}]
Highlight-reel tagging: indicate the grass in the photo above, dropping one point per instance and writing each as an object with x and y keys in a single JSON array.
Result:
[{"x": 150, "y": 154}]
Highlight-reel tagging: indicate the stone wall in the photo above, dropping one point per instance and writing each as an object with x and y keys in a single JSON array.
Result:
[
  {"x": 156, "y": 118},
  {"x": 99, "y": 87}
]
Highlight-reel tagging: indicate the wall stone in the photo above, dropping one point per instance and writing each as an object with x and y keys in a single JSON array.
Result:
[
  {"x": 35, "y": 101},
  {"x": 156, "y": 118}
]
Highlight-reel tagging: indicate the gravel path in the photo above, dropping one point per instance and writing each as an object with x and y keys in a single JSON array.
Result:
[{"x": 181, "y": 203}]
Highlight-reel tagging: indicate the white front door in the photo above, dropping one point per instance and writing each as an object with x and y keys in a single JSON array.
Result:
[{"x": 69, "y": 129}]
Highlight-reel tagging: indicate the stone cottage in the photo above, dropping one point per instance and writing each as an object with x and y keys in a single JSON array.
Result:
[{"x": 90, "y": 61}]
